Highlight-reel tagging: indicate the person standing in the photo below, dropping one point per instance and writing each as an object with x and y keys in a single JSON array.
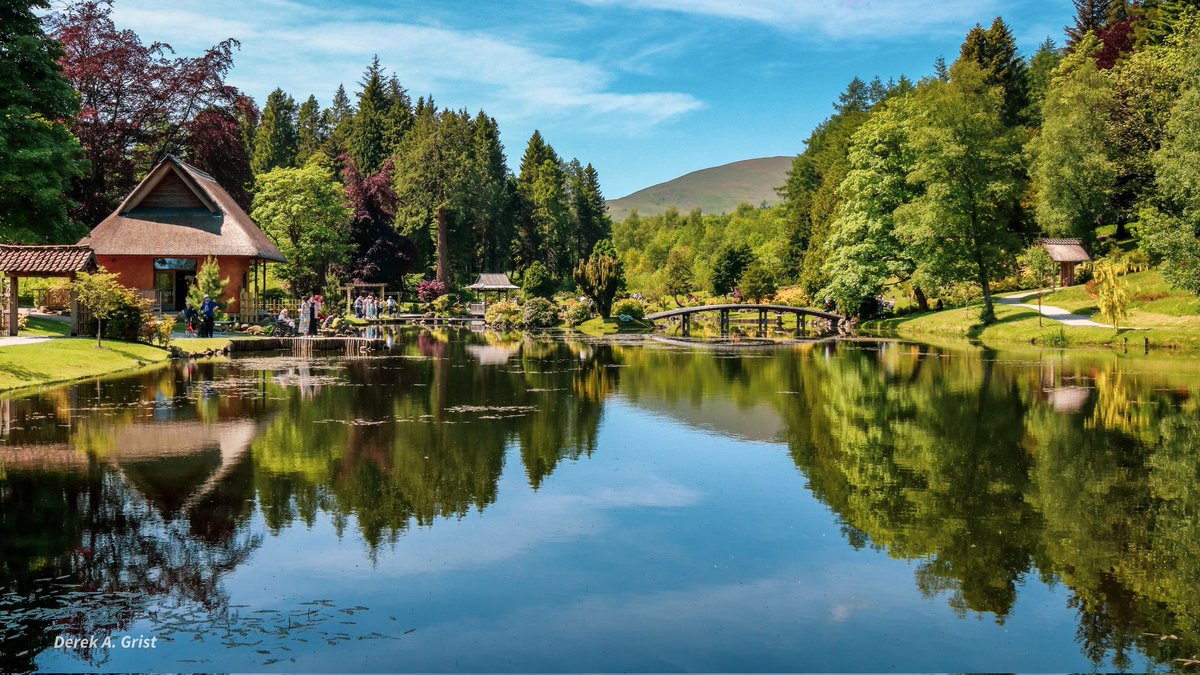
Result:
[
  {"x": 208, "y": 310},
  {"x": 313, "y": 323}
]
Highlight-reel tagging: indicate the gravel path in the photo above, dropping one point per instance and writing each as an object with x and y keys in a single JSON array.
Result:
[{"x": 1056, "y": 313}]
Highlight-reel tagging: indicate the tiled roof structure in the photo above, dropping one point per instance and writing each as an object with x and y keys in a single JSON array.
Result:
[
  {"x": 1065, "y": 250},
  {"x": 493, "y": 282},
  {"x": 46, "y": 260}
]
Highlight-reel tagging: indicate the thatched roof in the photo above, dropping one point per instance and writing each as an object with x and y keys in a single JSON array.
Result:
[
  {"x": 493, "y": 282},
  {"x": 1065, "y": 250},
  {"x": 46, "y": 260},
  {"x": 180, "y": 211}
]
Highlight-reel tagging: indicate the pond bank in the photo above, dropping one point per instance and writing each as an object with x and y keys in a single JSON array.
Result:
[
  {"x": 1019, "y": 325},
  {"x": 65, "y": 359}
]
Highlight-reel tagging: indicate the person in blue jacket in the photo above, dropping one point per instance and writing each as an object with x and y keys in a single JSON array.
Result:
[{"x": 208, "y": 310}]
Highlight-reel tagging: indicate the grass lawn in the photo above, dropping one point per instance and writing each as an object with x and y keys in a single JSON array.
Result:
[
  {"x": 1018, "y": 324},
  {"x": 42, "y": 327},
  {"x": 71, "y": 359},
  {"x": 598, "y": 327},
  {"x": 197, "y": 345}
]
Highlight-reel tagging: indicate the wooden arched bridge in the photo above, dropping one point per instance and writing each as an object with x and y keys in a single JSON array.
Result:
[{"x": 685, "y": 315}]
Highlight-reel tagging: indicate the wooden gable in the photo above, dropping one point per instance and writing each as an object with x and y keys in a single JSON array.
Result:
[{"x": 171, "y": 193}]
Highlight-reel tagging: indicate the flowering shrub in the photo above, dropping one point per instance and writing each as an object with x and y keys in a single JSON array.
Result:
[
  {"x": 629, "y": 307},
  {"x": 428, "y": 291},
  {"x": 578, "y": 312},
  {"x": 157, "y": 329},
  {"x": 539, "y": 313},
  {"x": 503, "y": 315}
]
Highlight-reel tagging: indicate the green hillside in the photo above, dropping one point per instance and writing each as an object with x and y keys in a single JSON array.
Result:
[{"x": 715, "y": 190}]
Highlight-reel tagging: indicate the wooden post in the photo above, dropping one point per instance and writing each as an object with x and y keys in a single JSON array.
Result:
[
  {"x": 74, "y": 310},
  {"x": 12, "y": 305}
]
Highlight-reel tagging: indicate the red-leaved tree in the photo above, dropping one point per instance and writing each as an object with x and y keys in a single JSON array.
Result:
[
  {"x": 136, "y": 99},
  {"x": 382, "y": 255},
  {"x": 215, "y": 144}
]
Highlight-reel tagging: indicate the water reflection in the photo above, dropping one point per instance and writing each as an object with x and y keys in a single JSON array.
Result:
[{"x": 123, "y": 497}]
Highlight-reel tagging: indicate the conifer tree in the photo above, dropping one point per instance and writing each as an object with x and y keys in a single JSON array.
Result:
[
  {"x": 399, "y": 114},
  {"x": 311, "y": 132},
  {"x": 367, "y": 140},
  {"x": 995, "y": 51},
  {"x": 275, "y": 140},
  {"x": 337, "y": 119},
  {"x": 40, "y": 156},
  {"x": 1090, "y": 16}
]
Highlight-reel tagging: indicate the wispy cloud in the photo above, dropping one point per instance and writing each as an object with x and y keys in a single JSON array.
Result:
[
  {"x": 823, "y": 18},
  {"x": 304, "y": 48}
]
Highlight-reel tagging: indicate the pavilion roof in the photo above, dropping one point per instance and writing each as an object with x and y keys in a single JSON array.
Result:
[
  {"x": 46, "y": 260},
  {"x": 1065, "y": 250},
  {"x": 180, "y": 211},
  {"x": 493, "y": 281}
]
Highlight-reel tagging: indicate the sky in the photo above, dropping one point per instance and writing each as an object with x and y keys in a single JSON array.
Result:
[{"x": 644, "y": 90}]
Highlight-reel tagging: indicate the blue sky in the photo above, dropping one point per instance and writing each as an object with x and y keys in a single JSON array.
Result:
[{"x": 646, "y": 90}]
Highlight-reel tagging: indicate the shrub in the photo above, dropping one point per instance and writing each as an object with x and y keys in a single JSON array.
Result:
[
  {"x": 629, "y": 307},
  {"x": 539, "y": 313},
  {"x": 578, "y": 312},
  {"x": 537, "y": 283},
  {"x": 442, "y": 305},
  {"x": 157, "y": 330},
  {"x": 503, "y": 315},
  {"x": 793, "y": 296},
  {"x": 428, "y": 291}
]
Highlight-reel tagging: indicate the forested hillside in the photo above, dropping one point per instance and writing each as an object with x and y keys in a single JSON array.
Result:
[{"x": 940, "y": 181}]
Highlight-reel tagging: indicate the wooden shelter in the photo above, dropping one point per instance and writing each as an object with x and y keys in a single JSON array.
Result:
[
  {"x": 42, "y": 261},
  {"x": 491, "y": 282},
  {"x": 164, "y": 230},
  {"x": 1067, "y": 253}
]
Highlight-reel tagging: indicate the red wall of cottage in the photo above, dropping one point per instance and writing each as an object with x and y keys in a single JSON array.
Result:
[{"x": 137, "y": 272}]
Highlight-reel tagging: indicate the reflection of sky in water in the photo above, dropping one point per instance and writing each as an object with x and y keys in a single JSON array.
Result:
[{"x": 668, "y": 550}]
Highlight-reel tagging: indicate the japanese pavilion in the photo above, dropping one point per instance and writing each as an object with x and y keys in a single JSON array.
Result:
[
  {"x": 173, "y": 220},
  {"x": 489, "y": 282},
  {"x": 1067, "y": 253}
]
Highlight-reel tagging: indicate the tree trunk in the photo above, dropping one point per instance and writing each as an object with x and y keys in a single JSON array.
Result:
[
  {"x": 989, "y": 312},
  {"x": 443, "y": 247},
  {"x": 99, "y": 323},
  {"x": 922, "y": 301}
]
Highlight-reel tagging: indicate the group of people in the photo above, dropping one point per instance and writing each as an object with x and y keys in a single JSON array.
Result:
[
  {"x": 201, "y": 321},
  {"x": 370, "y": 307},
  {"x": 308, "y": 319}
]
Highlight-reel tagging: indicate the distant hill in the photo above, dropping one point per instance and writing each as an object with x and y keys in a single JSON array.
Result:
[{"x": 716, "y": 190}]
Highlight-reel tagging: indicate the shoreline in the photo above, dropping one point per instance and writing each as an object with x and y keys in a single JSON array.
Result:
[{"x": 62, "y": 361}]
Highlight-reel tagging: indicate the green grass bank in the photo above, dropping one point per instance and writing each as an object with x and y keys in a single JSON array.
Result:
[{"x": 67, "y": 359}]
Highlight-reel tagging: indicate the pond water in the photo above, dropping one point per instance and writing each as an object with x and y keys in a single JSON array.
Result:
[{"x": 469, "y": 502}]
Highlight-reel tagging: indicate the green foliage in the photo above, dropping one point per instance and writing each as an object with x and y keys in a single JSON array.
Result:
[
  {"x": 312, "y": 132},
  {"x": 539, "y": 313},
  {"x": 995, "y": 52},
  {"x": 601, "y": 276},
  {"x": 537, "y": 282},
  {"x": 758, "y": 282},
  {"x": 503, "y": 314},
  {"x": 680, "y": 280},
  {"x": 864, "y": 251},
  {"x": 1042, "y": 270},
  {"x": 306, "y": 213},
  {"x": 577, "y": 312},
  {"x": 115, "y": 309},
  {"x": 965, "y": 162},
  {"x": 40, "y": 156},
  {"x": 1176, "y": 244},
  {"x": 629, "y": 307},
  {"x": 729, "y": 266},
  {"x": 367, "y": 134},
  {"x": 275, "y": 139},
  {"x": 1072, "y": 171},
  {"x": 208, "y": 282}
]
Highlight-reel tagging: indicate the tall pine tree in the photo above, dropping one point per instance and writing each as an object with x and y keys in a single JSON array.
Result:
[
  {"x": 275, "y": 140},
  {"x": 1090, "y": 16},
  {"x": 995, "y": 51},
  {"x": 311, "y": 132},
  {"x": 367, "y": 140}
]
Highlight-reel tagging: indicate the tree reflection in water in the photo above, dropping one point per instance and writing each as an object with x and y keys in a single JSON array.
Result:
[{"x": 988, "y": 472}]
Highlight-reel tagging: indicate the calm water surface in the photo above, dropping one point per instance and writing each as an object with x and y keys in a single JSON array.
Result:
[{"x": 473, "y": 503}]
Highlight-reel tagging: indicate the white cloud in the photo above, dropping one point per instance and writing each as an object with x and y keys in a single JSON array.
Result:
[
  {"x": 308, "y": 50},
  {"x": 824, "y": 18}
]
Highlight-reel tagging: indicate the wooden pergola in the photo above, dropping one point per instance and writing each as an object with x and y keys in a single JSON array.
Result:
[
  {"x": 42, "y": 261},
  {"x": 381, "y": 289}
]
